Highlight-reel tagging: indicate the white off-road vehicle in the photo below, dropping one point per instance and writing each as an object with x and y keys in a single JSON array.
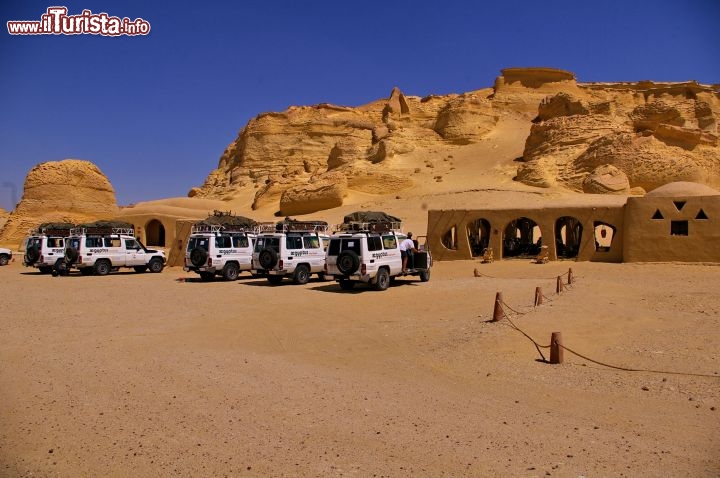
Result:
[
  {"x": 219, "y": 250},
  {"x": 101, "y": 249},
  {"x": 370, "y": 253},
  {"x": 5, "y": 256},
  {"x": 295, "y": 249},
  {"x": 45, "y": 247}
]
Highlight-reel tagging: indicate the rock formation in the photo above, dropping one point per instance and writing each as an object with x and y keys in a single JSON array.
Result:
[
  {"x": 651, "y": 133},
  {"x": 60, "y": 191}
]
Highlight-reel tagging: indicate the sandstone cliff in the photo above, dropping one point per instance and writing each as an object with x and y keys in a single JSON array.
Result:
[
  {"x": 60, "y": 191},
  {"x": 311, "y": 158}
]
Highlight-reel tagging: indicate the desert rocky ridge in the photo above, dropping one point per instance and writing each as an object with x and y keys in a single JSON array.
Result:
[{"x": 537, "y": 135}]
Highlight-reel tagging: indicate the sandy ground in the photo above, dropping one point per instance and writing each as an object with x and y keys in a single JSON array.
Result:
[{"x": 158, "y": 375}]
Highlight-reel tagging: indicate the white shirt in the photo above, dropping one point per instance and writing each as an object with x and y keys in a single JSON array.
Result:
[{"x": 407, "y": 245}]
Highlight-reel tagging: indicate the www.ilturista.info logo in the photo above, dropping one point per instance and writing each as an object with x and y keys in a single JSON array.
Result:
[{"x": 57, "y": 22}]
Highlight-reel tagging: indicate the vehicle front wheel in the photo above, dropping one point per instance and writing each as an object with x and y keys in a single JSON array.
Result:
[
  {"x": 156, "y": 265},
  {"x": 301, "y": 275},
  {"x": 382, "y": 280},
  {"x": 102, "y": 268},
  {"x": 347, "y": 284},
  {"x": 425, "y": 275},
  {"x": 231, "y": 271}
]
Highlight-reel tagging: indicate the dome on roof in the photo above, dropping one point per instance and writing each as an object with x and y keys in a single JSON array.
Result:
[{"x": 683, "y": 188}]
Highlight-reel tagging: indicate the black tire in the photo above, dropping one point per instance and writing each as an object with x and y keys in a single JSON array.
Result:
[
  {"x": 55, "y": 273},
  {"x": 348, "y": 262},
  {"x": 32, "y": 255},
  {"x": 102, "y": 267},
  {"x": 301, "y": 275},
  {"x": 198, "y": 256},
  {"x": 425, "y": 275},
  {"x": 382, "y": 280},
  {"x": 45, "y": 269},
  {"x": 71, "y": 255},
  {"x": 4, "y": 259},
  {"x": 275, "y": 280},
  {"x": 207, "y": 276},
  {"x": 86, "y": 271},
  {"x": 156, "y": 265},
  {"x": 140, "y": 269},
  {"x": 267, "y": 258},
  {"x": 231, "y": 271},
  {"x": 346, "y": 284}
]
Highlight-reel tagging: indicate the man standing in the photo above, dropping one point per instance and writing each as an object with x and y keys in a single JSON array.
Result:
[{"x": 407, "y": 247}]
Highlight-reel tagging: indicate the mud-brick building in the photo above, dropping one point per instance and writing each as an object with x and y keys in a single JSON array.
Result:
[{"x": 676, "y": 222}]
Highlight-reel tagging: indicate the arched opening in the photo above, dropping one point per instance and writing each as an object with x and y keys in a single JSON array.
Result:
[
  {"x": 155, "y": 233},
  {"x": 522, "y": 238},
  {"x": 478, "y": 232},
  {"x": 568, "y": 234},
  {"x": 449, "y": 239},
  {"x": 604, "y": 234}
]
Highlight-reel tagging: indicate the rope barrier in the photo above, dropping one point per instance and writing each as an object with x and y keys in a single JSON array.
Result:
[
  {"x": 480, "y": 274},
  {"x": 539, "y": 346}
]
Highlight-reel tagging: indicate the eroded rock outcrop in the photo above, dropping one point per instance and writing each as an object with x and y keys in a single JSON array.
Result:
[
  {"x": 71, "y": 190},
  {"x": 383, "y": 146}
]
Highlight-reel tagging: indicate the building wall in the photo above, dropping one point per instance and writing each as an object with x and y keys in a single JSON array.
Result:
[
  {"x": 442, "y": 221},
  {"x": 650, "y": 240}
]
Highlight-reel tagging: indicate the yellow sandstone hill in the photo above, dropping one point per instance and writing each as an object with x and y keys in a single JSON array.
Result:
[
  {"x": 71, "y": 190},
  {"x": 562, "y": 134}
]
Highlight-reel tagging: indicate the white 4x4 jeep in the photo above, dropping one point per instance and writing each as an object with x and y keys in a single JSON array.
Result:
[
  {"x": 101, "y": 249},
  {"x": 218, "y": 250},
  {"x": 370, "y": 253},
  {"x": 5, "y": 256},
  {"x": 45, "y": 247},
  {"x": 296, "y": 249}
]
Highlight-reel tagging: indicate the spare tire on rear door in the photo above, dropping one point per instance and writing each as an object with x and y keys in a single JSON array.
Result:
[
  {"x": 71, "y": 255},
  {"x": 198, "y": 256},
  {"x": 267, "y": 258},
  {"x": 348, "y": 262},
  {"x": 32, "y": 255}
]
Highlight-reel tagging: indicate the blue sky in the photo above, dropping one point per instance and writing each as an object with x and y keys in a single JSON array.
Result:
[{"x": 155, "y": 112}]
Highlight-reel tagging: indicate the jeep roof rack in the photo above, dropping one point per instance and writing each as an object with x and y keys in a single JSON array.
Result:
[
  {"x": 374, "y": 226},
  {"x": 217, "y": 229},
  {"x": 101, "y": 231},
  {"x": 301, "y": 226}
]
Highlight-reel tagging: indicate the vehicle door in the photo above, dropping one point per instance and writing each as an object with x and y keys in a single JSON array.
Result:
[
  {"x": 315, "y": 252},
  {"x": 115, "y": 250},
  {"x": 223, "y": 250},
  {"x": 294, "y": 252},
  {"x": 54, "y": 250},
  {"x": 392, "y": 257},
  {"x": 134, "y": 254},
  {"x": 241, "y": 243}
]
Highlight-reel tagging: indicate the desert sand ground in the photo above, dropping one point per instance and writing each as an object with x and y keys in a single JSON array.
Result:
[{"x": 162, "y": 375}]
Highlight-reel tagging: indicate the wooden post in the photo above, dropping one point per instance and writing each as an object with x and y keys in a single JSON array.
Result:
[
  {"x": 498, "y": 311},
  {"x": 556, "y": 350},
  {"x": 570, "y": 276},
  {"x": 538, "y": 296},
  {"x": 560, "y": 286}
]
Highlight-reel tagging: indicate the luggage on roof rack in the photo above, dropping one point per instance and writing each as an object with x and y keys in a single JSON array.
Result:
[
  {"x": 294, "y": 225},
  {"x": 55, "y": 229},
  {"x": 103, "y": 228},
  {"x": 369, "y": 216}
]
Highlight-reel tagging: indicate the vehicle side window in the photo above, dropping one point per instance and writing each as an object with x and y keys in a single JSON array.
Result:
[
  {"x": 311, "y": 242},
  {"x": 389, "y": 242},
  {"x": 374, "y": 243},
  {"x": 240, "y": 241},
  {"x": 112, "y": 242},
  {"x": 94, "y": 241},
  {"x": 223, "y": 242},
  {"x": 131, "y": 244},
  {"x": 293, "y": 242},
  {"x": 54, "y": 242}
]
